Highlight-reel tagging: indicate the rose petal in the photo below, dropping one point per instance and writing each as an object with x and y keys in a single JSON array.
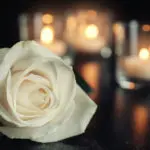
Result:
[
  {"x": 44, "y": 116},
  {"x": 9, "y": 106},
  {"x": 22, "y": 50},
  {"x": 3, "y": 52},
  {"x": 38, "y": 67},
  {"x": 66, "y": 88},
  {"x": 18, "y": 77},
  {"x": 44, "y": 70},
  {"x": 84, "y": 110},
  {"x": 38, "y": 79},
  {"x": 39, "y": 50},
  {"x": 23, "y": 96},
  {"x": 21, "y": 88},
  {"x": 16, "y": 119},
  {"x": 63, "y": 83},
  {"x": 37, "y": 132},
  {"x": 17, "y": 52},
  {"x": 28, "y": 113},
  {"x": 66, "y": 82}
]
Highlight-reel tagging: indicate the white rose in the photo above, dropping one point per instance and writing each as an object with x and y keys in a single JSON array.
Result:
[{"x": 39, "y": 97}]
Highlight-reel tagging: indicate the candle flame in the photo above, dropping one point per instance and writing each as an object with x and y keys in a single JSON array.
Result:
[
  {"x": 91, "y": 31},
  {"x": 47, "y": 35},
  {"x": 144, "y": 54},
  {"x": 47, "y": 18},
  {"x": 146, "y": 27}
]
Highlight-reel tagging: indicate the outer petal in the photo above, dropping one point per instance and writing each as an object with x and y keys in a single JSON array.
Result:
[
  {"x": 39, "y": 50},
  {"x": 14, "y": 54},
  {"x": 83, "y": 112},
  {"x": 19, "y": 51},
  {"x": 66, "y": 87},
  {"x": 3, "y": 52}
]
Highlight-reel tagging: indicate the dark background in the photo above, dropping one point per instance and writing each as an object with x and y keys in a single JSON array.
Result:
[
  {"x": 9, "y": 10},
  {"x": 124, "y": 10}
]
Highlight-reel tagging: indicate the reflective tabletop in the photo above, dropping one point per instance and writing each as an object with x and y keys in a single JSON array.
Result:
[{"x": 123, "y": 120}]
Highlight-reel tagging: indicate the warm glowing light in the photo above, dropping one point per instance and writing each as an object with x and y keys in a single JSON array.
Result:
[
  {"x": 132, "y": 85},
  {"x": 144, "y": 54},
  {"x": 146, "y": 27},
  {"x": 127, "y": 85},
  {"x": 47, "y": 35},
  {"x": 91, "y": 31},
  {"x": 90, "y": 72},
  {"x": 92, "y": 13},
  {"x": 119, "y": 30},
  {"x": 71, "y": 22},
  {"x": 140, "y": 117},
  {"x": 47, "y": 18}
]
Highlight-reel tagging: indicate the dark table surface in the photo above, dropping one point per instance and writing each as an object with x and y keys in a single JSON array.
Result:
[
  {"x": 124, "y": 120},
  {"x": 121, "y": 123}
]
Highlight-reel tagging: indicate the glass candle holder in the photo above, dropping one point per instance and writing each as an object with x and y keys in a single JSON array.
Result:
[
  {"x": 133, "y": 54},
  {"x": 88, "y": 32},
  {"x": 45, "y": 28}
]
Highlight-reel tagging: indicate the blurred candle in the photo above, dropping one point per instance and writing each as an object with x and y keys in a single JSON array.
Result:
[
  {"x": 91, "y": 31},
  {"x": 47, "y": 18},
  {"x": 89, "y": 39},
  {"x": 146, "y": 27},
  {"x": 47, "y": 35},
  {"x": 90, "y": 34},
  {"x": 47, "y": 39},
  {"x": 87, "y": 30},
  {"x": 138, "y": 66},
  {"x": 144, "y": 54},
  {"x": 44, "y": 28}
]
